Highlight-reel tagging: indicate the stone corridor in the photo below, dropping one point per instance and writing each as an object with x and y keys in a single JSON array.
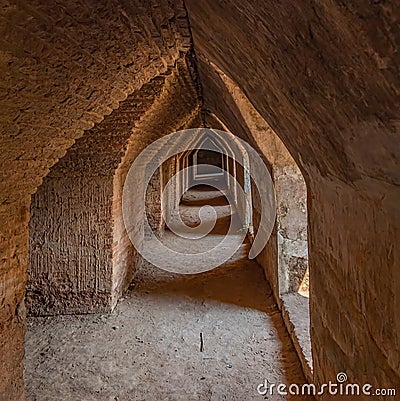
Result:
[
  {"x": 293, "y": 105},
  {"x": 150, "y": 347}
]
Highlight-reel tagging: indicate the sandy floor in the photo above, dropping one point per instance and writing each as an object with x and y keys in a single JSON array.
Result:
[{"x": 211, "y": 336}]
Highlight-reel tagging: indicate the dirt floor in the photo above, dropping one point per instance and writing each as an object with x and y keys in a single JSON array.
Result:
[{"x": 210, "y": 336}]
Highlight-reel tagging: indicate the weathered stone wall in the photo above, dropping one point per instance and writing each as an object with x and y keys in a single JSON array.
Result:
[
  {"x": 355, "y": 293},
  {"x": 70, "y": 248},
  {"x": 291, "y": 209},
  {"x": 168, "y": 198},
  {"x": 325, "y": 75},
  {"x": 64, "y": 66},
  {"x": 153, "y": 202}
]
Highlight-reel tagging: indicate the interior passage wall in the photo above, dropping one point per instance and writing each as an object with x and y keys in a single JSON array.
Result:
[
  {"x": 356, "y": 315},
  {"x": 291, "y": 208},
  {"x": 326, "y": 77},
  {"x": 64, "y": 66},
  {"x": 153, "y": 202}
]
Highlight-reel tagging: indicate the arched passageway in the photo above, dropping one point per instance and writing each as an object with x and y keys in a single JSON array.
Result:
[
  {"x": 204, "y": 334},
  {"x": 86, "y": 85}
]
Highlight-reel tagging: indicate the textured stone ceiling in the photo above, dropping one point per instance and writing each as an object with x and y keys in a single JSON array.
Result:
[{"x": 324, "y": 74}]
